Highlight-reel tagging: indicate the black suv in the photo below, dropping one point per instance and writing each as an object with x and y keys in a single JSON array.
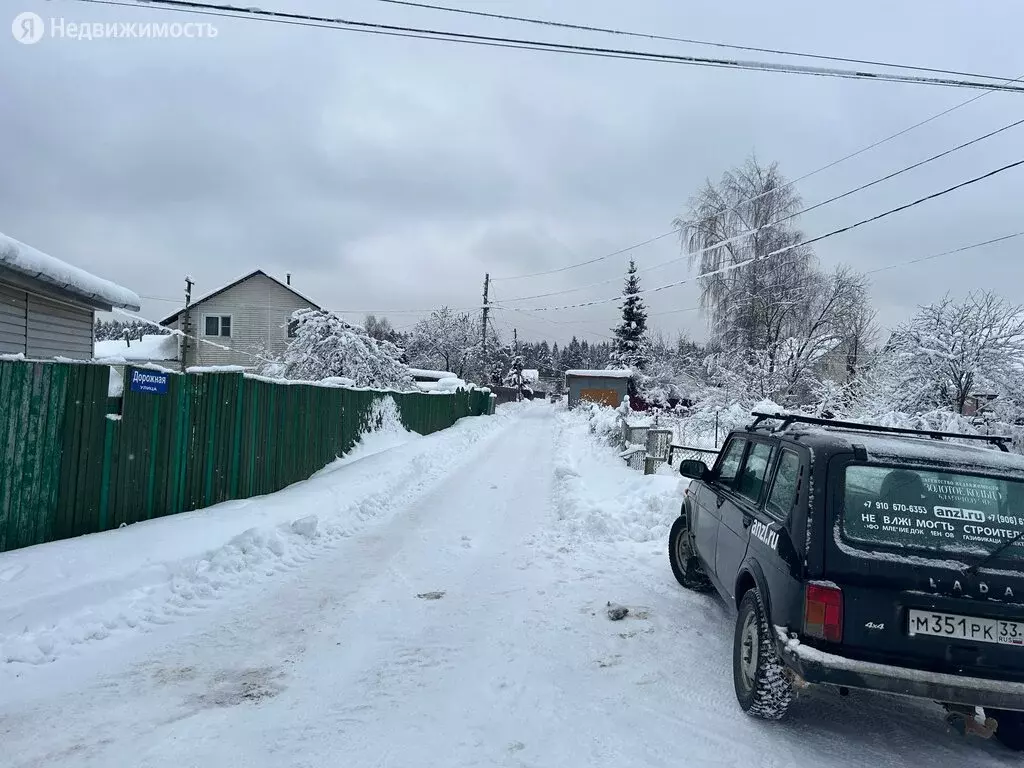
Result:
[{"x": 864, "y": 557}]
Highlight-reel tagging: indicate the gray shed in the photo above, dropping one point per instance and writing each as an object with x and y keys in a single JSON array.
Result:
[
  {"x": 604, "y": 387},
  {"x": 47, "y": 306}
]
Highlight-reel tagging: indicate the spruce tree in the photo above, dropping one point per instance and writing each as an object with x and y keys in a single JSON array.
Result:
[{"x": 631, "y": 348}]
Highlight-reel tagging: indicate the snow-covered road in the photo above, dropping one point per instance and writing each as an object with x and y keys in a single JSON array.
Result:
[{"x": 464, "y": 627}]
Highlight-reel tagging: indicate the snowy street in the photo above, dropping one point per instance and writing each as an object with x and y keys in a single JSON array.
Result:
[{"x": 453, "y": 614}]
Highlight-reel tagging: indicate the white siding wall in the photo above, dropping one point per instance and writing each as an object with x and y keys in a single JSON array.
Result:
[
  {"x": 13, "y": 307},
  {"x": 259, "y": 309},
  {"x": 43, "y": 328}
]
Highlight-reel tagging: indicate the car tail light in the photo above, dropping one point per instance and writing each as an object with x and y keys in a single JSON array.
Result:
[{"x": 823, "y": 612}]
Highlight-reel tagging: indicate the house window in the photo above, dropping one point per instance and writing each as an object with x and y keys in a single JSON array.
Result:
[
  {"x": 293, "y": 327},
  {"x": 217, "y": 325}
]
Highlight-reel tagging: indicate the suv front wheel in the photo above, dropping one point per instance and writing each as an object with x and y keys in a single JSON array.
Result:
[
  {"x": 685, "y": 566},
  {"x": 762, "y": 686}
]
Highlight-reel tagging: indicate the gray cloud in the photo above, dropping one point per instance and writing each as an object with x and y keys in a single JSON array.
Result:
[{"x": 391, "y": 174}]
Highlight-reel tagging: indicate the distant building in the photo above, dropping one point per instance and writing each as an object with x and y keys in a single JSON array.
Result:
[
  {"x": 48, "y": 307},
  {"x": 604, "y": 387},
  {"x": 243, "y": 324}
]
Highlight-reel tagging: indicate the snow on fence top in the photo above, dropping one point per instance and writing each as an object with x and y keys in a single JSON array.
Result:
[
  {"x": 616, "y": 374},
  {"x": 423, "y": 373},
  {"x": 26, "y": 260},
  {"x": 150, "y": 347}
]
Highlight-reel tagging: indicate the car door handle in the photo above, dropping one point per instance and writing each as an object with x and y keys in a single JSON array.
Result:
[{"x": 748, "y": 519}]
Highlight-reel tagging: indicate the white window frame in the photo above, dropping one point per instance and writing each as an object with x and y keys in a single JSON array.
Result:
[{"x": 220, "y": 324}]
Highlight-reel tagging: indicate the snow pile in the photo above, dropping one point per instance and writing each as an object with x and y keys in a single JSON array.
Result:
[
  {"x": 25, "y": 259},
  {"x": 149, "y": 347},
  {"x": 604, "y": 422},
  {"x": 115, "y": 383},
  {"x": 56, "y": 598},
  {"x": 423, "y": 373},
  {"x": 386, "y": 432},
  {"x": 598, "y": 498}
]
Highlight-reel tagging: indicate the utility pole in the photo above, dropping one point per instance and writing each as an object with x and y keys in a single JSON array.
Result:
[
  {"x": 516, "y": 365},
  {"x": 483, "y": 338},
  {"x": 186, "y": 323}
]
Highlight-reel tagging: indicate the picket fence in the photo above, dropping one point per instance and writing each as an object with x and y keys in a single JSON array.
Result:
[{"x": 75, "y": 461}]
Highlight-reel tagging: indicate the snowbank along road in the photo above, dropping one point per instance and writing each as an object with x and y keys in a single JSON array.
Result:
[{"x": 435, "y": 601}]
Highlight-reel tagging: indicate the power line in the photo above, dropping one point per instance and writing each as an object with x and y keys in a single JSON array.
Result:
[
  {"x": 202, "y": 8},
  {"x": 788, "y": 184},
  {"x": 689, "y": 41},
  {"x": 945, "y": 253},
  {"x": 895, "y": 265},
  {"x": 788, "y": 217},
  {"x": 786, "y": 249},
  {"x": 575, "y": 326}
]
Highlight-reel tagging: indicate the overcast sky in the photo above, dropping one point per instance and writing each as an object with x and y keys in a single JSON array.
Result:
[{"x": 391, "y": 174}]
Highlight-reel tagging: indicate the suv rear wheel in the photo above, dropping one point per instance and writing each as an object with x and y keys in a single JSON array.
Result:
[
  {"x": 685, "y": 566},
  {"x": 762, "y": 686},
  {"x": 1010, "y": 728}
]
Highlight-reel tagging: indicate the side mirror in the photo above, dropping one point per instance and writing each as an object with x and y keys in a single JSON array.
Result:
[{"x": 693, "y": 469}]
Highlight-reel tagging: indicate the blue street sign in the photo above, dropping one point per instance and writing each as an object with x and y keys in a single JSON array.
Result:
[{"x": 150, "y": 381}]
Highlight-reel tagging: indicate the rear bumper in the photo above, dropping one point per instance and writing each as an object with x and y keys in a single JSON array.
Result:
[{"x": 820, "y": 668}]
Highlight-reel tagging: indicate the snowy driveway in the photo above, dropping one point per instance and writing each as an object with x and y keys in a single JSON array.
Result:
[{"x": 464, "y": 629}]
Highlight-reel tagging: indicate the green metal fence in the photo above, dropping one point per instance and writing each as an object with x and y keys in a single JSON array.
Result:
[{"x": 73, "y": 461}]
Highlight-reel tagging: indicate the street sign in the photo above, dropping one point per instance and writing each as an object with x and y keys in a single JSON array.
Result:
[{"x": 151, "y": 382}]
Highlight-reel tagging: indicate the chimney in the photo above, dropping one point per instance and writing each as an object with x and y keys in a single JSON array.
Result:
[{"x": 288, "y": 278}]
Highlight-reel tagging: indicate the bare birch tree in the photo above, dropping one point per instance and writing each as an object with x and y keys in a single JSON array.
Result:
[{"x": 734, "y": 223}]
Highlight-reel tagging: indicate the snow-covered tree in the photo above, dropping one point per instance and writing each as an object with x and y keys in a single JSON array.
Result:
[
  {"x": 381, "y": 329},
  {"x": 514, "y": 376},
  {"x": 747, "y": 304},
  {"x": 950, "y": 351},
  {"x": 631, "y": 348},
  {"x": 326, "y": 345},
  {"x": 451, "y": 341},
  {"x": 131, "y": 330}
]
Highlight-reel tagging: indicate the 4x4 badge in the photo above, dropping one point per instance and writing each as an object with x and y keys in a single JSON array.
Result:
[{"x": 872, "y": 625}]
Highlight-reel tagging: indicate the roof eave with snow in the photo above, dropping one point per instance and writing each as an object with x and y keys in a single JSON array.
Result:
[
  {"x": 19, "y": 260},
  {"x": 611, "y": 374}
]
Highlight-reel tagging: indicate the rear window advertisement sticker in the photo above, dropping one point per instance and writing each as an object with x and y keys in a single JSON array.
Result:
[{"x": 945, "y": 511}]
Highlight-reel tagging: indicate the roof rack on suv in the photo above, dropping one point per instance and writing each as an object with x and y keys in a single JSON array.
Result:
[{"x": 790, "y": 418}]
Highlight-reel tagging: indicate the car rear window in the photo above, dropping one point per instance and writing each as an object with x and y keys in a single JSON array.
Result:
[{"x": 944, "y": 511}]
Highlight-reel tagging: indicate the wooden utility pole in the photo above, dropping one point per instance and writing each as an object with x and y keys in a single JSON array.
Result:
[
  {"x": 483, "y": 337},
  {"x": 185, "y": 325}
]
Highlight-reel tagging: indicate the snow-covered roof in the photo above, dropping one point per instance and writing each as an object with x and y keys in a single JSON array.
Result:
[
  {"x": 616, "y": 374},
  {"x": 172, "y": 317},
  {"x": 150, "y": 347},
  {"x": 423, "y": 373},
  {"x": 26, "y": 260}
]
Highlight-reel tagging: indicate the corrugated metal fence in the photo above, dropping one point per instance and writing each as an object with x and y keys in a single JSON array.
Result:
[{"x": 70, "y": 464}]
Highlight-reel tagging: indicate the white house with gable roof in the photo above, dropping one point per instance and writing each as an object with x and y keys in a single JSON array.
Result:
[{"x": 245, "y": 323}]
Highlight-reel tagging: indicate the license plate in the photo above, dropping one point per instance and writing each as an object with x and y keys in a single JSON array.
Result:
[{"x": 966, "y": 628}]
